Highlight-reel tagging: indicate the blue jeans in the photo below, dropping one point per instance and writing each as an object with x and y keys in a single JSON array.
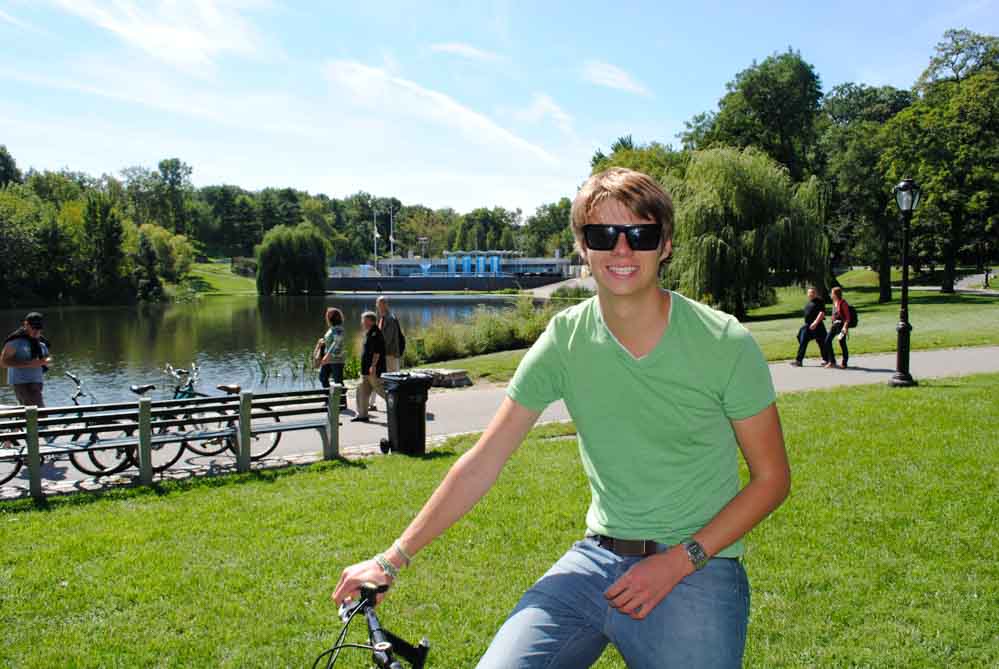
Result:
[{"x": 564, "y": 621}]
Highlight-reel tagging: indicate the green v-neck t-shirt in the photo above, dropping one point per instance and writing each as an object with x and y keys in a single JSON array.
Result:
[{"x": 654, "y": 433}]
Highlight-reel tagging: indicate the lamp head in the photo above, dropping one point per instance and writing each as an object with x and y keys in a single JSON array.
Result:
[{"x": 907, "y": 195}]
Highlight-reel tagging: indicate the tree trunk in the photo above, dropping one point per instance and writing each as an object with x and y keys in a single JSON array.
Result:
[
  {"x": 884, "y": 267},
  {"x": 951, "y": 246}
]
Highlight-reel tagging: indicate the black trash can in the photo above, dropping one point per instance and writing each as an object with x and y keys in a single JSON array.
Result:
[{"x": 406, "y": 397}]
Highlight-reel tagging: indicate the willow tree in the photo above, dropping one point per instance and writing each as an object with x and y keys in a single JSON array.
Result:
[
  {"x": 742, "y": 226},
  {"x": 292, "y": 260}
]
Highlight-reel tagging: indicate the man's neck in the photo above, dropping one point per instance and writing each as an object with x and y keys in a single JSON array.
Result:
[{"x": 637, "y": 321}]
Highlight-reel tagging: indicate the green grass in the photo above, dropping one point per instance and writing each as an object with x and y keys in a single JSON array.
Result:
[
  {"x": 885, "y": 554},
  {"x": 215, "y": 279},
  {"x": 938, "y": 320}
]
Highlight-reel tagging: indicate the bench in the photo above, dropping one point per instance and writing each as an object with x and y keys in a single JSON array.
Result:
[{"x": 234, "y": 417}]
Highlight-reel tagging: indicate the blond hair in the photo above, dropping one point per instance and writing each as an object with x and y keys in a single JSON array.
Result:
[{"x": 638, "y": 192}]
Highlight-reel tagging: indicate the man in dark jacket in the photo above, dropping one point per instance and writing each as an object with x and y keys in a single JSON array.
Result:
[
  {"x": 372, "y": 365},
  {"x": 814, "y": 328}
]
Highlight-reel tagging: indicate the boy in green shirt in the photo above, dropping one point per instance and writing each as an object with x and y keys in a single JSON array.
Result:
[{"x": 664, "y": 392}]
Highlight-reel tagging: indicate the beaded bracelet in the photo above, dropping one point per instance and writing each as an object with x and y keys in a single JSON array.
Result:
[
  {"x": 403, "y": 554},
  {"x": 387, "y": 567}
]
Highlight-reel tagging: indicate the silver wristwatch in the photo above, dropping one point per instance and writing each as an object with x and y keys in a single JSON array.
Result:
[{"x": 696, "y": 554}]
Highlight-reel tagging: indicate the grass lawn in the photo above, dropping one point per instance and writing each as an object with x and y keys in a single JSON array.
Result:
[
  {"x": 215, "y": 279},
  {"x": 885, "y": 555},
  {"x": 938, "y": 320}
]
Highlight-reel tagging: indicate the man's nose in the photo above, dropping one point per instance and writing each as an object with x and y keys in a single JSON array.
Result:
[{"x": 621, "y": 245}]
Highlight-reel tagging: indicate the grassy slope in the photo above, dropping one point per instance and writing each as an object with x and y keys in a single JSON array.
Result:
[
  {"x": 884, "y": 555},
  {"x": 939, "y": 321},
  {"x": 216, "y": 279}
]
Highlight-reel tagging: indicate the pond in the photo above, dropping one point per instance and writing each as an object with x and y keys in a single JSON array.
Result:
[{"x": 261, "y": 343}]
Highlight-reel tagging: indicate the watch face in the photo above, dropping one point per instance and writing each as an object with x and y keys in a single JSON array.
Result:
[{"x": 696, "y": 554}]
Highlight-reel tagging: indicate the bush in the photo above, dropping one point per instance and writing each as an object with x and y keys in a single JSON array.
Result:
[
  {"x": 440, "y": 341},
  {"x": 490, "y": 331},
  {"x": 244, "y": 267}
]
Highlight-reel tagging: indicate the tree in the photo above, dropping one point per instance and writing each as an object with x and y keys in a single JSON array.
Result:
[
  {"x": 8, "y": 168},
  {"x": 103, "y": 240},
  {"x": 741, "y": 224},
  {"x": 863, "y": 220},
  {"x": 292, "y": 260},
  {"x": 22, "y": 216},
  {"x": 772, "y": 106},
  {"x": 174, "y": 191},
  {"x": 961, "y": 54},
  {"x": 548, "y": 222},
  {"x": 948, "y": 141},
  {"x": 150, "y": 288}
]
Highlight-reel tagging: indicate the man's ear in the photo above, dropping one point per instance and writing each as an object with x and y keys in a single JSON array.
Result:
[{"x": 667, "y": 250}]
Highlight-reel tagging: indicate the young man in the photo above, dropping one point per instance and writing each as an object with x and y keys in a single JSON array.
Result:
[
  {"x": 814, "y": 328},
  {"x": 664, "y": 392},
  {"x": 26, "y": 354},
  {"x": 389, "y": 325},
  {"x": 372, "y": 366}
]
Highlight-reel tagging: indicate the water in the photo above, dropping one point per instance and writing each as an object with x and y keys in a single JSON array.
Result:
[{"x": 261, "y": 343}]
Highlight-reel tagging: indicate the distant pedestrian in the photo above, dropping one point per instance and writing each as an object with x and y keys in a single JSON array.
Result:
[
  {"x": 815, "y": 313},
  {"x": 839, "y": 328},
  {"x": 332, "y": 360},
  {"x": 389, "y": 325},
  {"x": 26, "y": 354},
  {"x": 372, "y": 366}
]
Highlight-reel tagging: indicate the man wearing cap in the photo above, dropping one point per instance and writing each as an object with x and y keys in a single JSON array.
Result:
[{"x": 26, "y": 354}]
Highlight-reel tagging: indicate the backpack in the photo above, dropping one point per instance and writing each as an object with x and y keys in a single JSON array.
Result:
[{"x": 853, "y": 316}]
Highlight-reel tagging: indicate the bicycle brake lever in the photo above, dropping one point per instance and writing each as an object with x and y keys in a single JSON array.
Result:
[{"x": 347, "y": 609}]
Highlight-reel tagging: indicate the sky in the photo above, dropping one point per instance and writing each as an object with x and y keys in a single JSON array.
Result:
[{"x": 445, "y": 104}]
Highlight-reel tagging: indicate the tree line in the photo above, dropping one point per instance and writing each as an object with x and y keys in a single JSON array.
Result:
[{"x": 780, "y": 183}]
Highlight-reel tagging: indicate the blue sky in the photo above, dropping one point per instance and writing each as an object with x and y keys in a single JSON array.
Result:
[{"x": 445, "y": 104}]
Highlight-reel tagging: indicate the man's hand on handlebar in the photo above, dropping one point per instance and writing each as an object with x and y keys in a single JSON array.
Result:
[{"x": 351, "y": 579}]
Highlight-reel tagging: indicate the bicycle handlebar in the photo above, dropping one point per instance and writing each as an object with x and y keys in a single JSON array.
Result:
[{"x": 384, "y": 645}]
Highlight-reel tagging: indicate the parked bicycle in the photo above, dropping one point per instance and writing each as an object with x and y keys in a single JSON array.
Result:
[
  {"x": 104, "y": 451},
  {"x": 385, "y": 647},
  {"x": 208, "y": 422}
]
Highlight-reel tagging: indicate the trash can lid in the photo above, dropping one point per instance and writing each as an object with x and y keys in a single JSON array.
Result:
[{"x": 409, "y": 379}]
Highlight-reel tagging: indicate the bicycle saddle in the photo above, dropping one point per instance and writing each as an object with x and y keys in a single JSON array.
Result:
[
  {"x": 143, "y": 389},
  {"x": 231, "y": 388}
]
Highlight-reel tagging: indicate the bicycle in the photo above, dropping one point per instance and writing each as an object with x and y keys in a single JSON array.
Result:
[
  {"x": 384, "y": 645},
  {"x": 96, "y": 459},
  {"x": 260, "y": 445}
]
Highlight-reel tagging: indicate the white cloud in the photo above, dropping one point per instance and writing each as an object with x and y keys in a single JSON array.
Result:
[
  {"x": 542, "y": 107},
  {"x": 189, "y": 35},
  {"x": 465, "y": 51},
  {"x": 4, "y": 16},
  {"x": 611, "y": 76},
  {"x": 376, "y": 89}
]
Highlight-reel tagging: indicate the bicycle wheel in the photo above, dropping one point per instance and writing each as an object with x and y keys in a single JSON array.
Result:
[
  {"x": 210, "y": 422},
  {"x": 163, "y": 455},
  {"x": 10, "y": 459},
  {"x": 261, "y": 445},
  {"x": 97, "y": 460}
]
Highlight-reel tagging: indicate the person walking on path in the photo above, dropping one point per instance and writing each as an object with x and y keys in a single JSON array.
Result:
[
  {"x": 814, "y": 328},
  {"x": 372, "y": 366},
  {"x": 389, "y": 325},
  {"x": 332, "y": 361},
  {"x": 26, "y": 354},
  {"x": 839, "y": 328},
  {"x": 665, "y": 393}
]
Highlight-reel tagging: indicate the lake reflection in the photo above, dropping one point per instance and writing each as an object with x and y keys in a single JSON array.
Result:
[{"x": 260, "y": 343}]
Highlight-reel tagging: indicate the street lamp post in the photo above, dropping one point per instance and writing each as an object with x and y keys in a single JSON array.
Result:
[
  {"x": 374, "y": 230},
  {"x": 907, "y": 197}
]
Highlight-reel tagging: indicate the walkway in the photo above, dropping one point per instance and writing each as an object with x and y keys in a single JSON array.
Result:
[{"x": 451, "y": 412}]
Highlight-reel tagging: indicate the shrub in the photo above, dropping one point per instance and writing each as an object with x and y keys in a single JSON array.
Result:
[
  {"x": 440, "y": 341},
  {"x": 489, "y": 331}
]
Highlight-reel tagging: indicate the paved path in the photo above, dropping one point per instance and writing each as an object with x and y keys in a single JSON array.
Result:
[{"x": 451, "y": 412}]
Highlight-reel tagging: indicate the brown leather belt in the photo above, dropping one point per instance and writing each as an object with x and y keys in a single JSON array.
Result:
[{"x": 627, "y": 547}]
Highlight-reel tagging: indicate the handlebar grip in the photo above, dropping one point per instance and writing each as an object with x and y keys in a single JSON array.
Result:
[{"x": 378, "y": 640}]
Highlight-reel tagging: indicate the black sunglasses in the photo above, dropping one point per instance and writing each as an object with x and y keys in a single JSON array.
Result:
[{"x": 640, "y": 237}]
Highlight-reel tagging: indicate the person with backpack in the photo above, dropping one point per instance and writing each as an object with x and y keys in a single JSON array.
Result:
[
  {"x": 26, "y": 354},
  {"x": 844, "y": 317}
]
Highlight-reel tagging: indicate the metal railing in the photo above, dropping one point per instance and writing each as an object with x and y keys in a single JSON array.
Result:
[{"x": 242, "y": 421}]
